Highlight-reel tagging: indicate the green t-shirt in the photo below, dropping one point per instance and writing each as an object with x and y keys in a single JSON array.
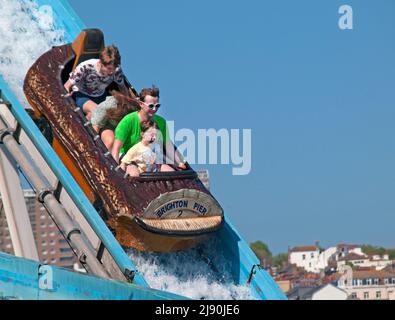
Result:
[{"x": 129, "y": 132}]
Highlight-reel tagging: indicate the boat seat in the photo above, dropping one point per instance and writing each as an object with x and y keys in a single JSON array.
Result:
[{"x": 88, "y": 45}]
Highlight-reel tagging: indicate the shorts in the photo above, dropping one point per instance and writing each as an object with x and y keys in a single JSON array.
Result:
[{"x": 80, "y": 98}]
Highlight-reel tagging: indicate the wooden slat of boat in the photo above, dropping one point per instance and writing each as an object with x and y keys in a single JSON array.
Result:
[{"x": 185, "y": 224}]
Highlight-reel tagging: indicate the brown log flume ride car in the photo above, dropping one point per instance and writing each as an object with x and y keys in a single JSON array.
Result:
[{"x": 164, "y": 211}]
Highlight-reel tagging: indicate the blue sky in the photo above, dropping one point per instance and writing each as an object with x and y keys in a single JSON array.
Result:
[{"x": 319, "y": 101}]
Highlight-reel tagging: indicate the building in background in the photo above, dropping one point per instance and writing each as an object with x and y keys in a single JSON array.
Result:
[
  {"x": 51, "y": 246},
  {"x": 305, "y": 257},
  {"x": 323, "y": 292},
  {"x": 204, "y": 177},
  {"x": 369, "y": 284}
]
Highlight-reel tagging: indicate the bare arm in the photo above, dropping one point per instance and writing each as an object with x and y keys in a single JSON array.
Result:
[
  {"x": 115, "y": 149},
  {"x": 174, "y": 156},
  {"x": 96, "y": 127},
  {"x": 68, "y": 85}
]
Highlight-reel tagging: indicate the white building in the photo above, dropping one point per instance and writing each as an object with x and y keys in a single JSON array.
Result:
[
  {"x": 369, "y": 285},
  {"x": 366, "y": 261},
  {"x": 329, "y": 292},
  {"x": 306, "y": 257},
  {"x": 312, "y": 260},
  {"x": 343, "y": 249},
  {"x": 323, "y": 292}
]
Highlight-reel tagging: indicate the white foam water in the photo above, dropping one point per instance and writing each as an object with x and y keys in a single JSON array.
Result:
[
  {"x": 26, "y": 32},
  {"x": 201, "y": 273}
]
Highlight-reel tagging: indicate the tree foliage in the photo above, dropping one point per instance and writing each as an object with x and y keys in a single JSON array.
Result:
[
  {"x": 280, "y": 260},
  {"x": 261, "y": 250},
  {"x": 369, "y": 249}
]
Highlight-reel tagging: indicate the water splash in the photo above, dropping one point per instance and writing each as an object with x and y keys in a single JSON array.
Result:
[
  {"x": 26, "y": 32},
  {"x": 198, "y": 273}
]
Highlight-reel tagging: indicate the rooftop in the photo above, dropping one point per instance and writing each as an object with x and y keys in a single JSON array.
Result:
[
  {"x": 304, "y": 249},
  {"x": 353, "y": 256}
]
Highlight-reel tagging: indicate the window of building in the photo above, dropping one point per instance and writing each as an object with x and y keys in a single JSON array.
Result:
[
  {"x": 44, "y": 252},
  {"x": 43, "y": 243},
  {"x": 369, "y": 282},
  {"x": 43, "y": 234},
  {"x": 65, "y": 250},
  {"x": 43, "y": 225},
  {"x": 53, "y": 260},
  {"x": 393, "y": 280},
  {"x": 52, "y": 242},
  {"x": 359, "y": 282},
  {"x": 303, "y": 257},
  {"x": 386, "y": 281},
  {"x": 53, "y": 251},
  {"x": 353, "y": 295},
  {"x": 66, "y": 258},
  {"x": 376, "y": 281},
  {"x": 312, "y": 255},
  {"x": 42, "y": 216},
  {"x": 52, "y": 233},
  {"x": 378, "y": 294},
  {"x": 366, "y": 295}
]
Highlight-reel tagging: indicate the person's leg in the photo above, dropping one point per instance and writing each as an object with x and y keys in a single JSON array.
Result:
[
  {"x": 88, "y": 107},
  {"x": 132, "y": 170},
  {"x": 166, "y": 168},
  {"x": 107, "y": 136}
]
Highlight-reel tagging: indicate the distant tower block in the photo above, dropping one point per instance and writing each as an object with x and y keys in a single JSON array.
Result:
[
  {"x": 204, "y": 177},
  {"x": 52, "y": 247}
]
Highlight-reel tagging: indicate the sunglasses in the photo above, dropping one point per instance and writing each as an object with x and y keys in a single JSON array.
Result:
[{"x": 153, "y": 106}]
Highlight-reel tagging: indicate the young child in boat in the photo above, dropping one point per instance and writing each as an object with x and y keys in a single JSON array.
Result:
[
  {"x": 144, "y": 155},
  {"x": 90, "y": 79},
  {"x": 127, "y": 132}
]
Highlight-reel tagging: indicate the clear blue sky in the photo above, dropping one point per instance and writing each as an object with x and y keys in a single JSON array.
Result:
[{"x": 320, "y": 103}]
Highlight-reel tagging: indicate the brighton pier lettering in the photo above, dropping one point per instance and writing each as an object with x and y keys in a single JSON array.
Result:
[
  {"x": 181, "y": 205},
  {"x": 200, "y": 208},
  {"x": 178, "y": 204}
]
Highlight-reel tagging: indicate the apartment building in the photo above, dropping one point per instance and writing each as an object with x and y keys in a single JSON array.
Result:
[{"x": 51, "y": 246}]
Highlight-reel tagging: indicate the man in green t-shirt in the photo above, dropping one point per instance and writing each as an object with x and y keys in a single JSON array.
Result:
[{"x": 128, "y": 131}]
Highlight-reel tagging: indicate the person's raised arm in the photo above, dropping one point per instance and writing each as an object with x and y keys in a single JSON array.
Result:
[
  {"x": 68, "y": 85},
  {"x": 174, "y": 155},
  {"x": 116, "y": 148}
]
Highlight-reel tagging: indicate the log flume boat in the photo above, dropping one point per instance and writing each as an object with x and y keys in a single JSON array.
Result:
[{"x": 153, "y": 212}]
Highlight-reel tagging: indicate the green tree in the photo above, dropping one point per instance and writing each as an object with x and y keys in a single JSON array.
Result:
[
  {"x": 261, "y": 250},
  {"x": 280, "y": 260},
  {"x": 391, "y": 253},
  {"x": 369, "y": 249}
]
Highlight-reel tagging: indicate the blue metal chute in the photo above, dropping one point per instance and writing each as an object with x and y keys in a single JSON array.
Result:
[{"x": 29, "y": 280}]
